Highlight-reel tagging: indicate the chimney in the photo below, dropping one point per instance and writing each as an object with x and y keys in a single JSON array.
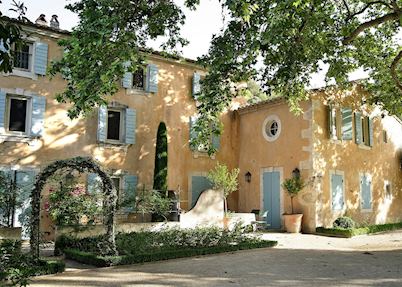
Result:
[
  {"x": 41, "y": 20},
  {"x": 54, "y": 23}
]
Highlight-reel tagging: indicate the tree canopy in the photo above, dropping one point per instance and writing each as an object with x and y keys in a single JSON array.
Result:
[{"x": 289, "y": 40}]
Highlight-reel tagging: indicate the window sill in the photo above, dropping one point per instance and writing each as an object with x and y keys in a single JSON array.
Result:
[
  {"x": 197, "y": 154},
  {"x": 135, "y": 91},
  {"x": 23, "y": 74},
  {"x": 16, "y": 138},
  {"x": 114, "y": 145},
  {"x": 366, "y": 147},
  {"x": 366, "y": 210}
]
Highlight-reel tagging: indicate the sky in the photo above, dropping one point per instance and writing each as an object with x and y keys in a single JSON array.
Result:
[{"x": 199, "y": 28}]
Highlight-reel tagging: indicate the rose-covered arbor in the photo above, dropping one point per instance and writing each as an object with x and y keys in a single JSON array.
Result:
[{"x": 82, "y": 165}]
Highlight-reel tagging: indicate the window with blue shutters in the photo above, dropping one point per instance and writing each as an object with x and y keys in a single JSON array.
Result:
[
  {"x": 117, "y": 125},
  {"x": 364, "y": 130},
  {"x": 22, "y": 116}
]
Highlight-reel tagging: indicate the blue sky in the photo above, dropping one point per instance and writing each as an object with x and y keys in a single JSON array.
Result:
[{"x": 199, "y": 28}]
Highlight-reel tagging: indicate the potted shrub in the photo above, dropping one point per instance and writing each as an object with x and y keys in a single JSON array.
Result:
[
  {"x": 225, "y": 180},
  {"x": 293, "y": 186}
]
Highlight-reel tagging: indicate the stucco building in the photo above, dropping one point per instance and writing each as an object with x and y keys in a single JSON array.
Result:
[{"x": 350, "y": 161}]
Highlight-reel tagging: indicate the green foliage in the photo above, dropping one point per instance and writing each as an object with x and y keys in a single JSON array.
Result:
[
  {"x": 9, "y": 201},
  {"x": 70, "y": 202},
  {"x": 108, "y": 35},
  {"x": 294, "y": 40},
  {"x": 16, "y": 267},
  {"x": 293, "y": 186},
  {"x": 223, "y": 179},
  {"x": 105, "y": 261},
  {"x": 161, "y": 159},
  {"x": 253, "y": 93},
  {"x": 342, "y": 232},
  {"x": 146, "y": 246},
  {"x": 344, "y": 222},
  {"x": 10, "y": 36},
  {"x": 153, "y": 201}
]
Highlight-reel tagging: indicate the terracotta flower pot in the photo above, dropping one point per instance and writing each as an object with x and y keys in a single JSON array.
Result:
[{"x": 293, "y": 222}]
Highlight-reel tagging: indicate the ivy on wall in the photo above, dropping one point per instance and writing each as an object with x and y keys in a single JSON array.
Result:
[{"x": 82, "y": 165}]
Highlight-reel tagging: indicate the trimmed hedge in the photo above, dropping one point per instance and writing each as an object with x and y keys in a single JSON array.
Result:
[
  {"x": 348, "y": 233},
  {"x": 105, "y": 261}
]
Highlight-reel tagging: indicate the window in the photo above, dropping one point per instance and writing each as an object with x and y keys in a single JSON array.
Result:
[
  {"x": 138, "y": 79},
  {"x": 17, "y": 118},
  {"x": 271, "y": 128},
  {"x": 363, "y": 130},
  {"x": 202, "y": 148},
  {"x": 17, "y": 115},
  {"x": 114, "y": 125},
  {"x": 23, "y": 57}
]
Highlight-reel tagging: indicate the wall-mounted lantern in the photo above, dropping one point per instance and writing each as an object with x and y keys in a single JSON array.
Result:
[
  {"x": 296, "y": 173},
  {"x": 247, "y": 177}
]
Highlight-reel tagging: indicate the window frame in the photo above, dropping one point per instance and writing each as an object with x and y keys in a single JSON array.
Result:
[
  {"x": 270, "y": 120},
  {"x": 27, "y": 74},
  {"x": 133, "y": 86},
  {"x": 31, "y": 46},
  {"x": 28, "y": 117},
  {"x": 121, "y": 123}
]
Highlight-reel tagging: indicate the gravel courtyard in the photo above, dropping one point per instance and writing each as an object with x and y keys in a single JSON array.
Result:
[{"x": 298, "y": 260}]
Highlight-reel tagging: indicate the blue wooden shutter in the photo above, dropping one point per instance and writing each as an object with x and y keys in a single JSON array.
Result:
[
  {"x": 151, "y": 83},
  {"x": 331, "y": 122},
  {"x": 193, "y": 133},
  {"x": 131, "y": 118},
  {"x": 358, "y": 128},
  {"x": 337, "y": 191},
  {"x": 40, "y": 57},
  {"x": 102, "y": 123},
  {"x": 4, "y": 49},
  {"x": 198, "y": 185},
  {"x": 38, "y": 115},
  {"x": 196, "y": 85},
  {"x": 94, "y": 183},
  {"x": 127, "y": 81},
  {"x": 130, "y": 187},
  {"x": 347, "y": 130},
  {"x": 2, "y": 111},
  {"x": 371, "y": 131},
  {"x": 365, "y": 187}
]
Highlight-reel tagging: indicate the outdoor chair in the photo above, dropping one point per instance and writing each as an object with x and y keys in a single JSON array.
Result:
[{"x": 261, "y": 221}]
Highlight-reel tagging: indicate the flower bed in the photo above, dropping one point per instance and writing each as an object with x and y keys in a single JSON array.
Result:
[
  {"x": 350, "y": 232},
  {"x": 138, "y": 247}
]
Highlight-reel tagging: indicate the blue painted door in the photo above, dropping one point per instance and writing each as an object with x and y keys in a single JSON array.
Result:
[
  {"x": 198, "y": 185},
  {"x": 365, "y": 188},
  {"x": 337, "y": 191},
  {"x": 272, "y": 202}
]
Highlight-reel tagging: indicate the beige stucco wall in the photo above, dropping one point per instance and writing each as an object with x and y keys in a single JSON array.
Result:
[
  {"x": 173, "y": 104},
  {"x": 292, "y": 149},
  {"x": 382, "y": 162}
]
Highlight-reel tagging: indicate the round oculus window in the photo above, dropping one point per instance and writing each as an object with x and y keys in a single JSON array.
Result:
[{"x": 271, "y": 128}]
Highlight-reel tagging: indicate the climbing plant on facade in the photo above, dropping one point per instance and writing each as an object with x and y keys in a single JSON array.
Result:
[{"x": 82, "y": 165}]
